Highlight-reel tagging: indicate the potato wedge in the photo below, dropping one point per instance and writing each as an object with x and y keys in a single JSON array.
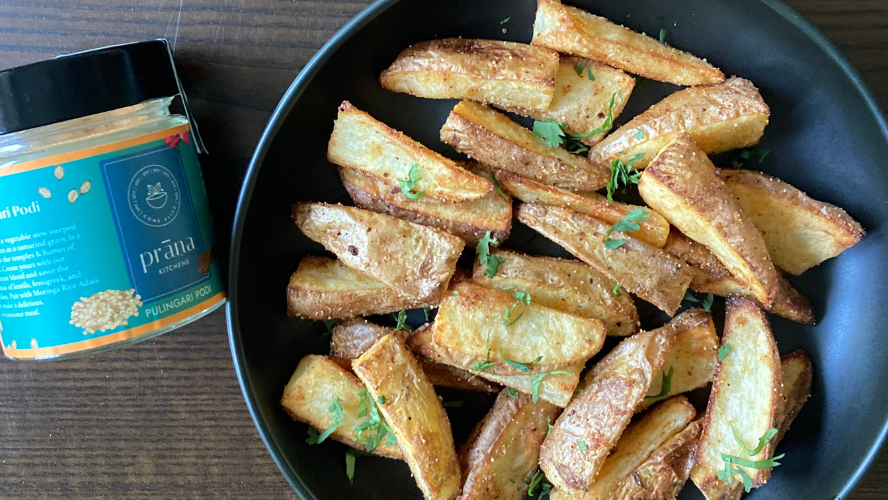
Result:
[
  {"x": 692, "y": 358},
  {"x": 501, "y": 454},
  {"x": 417, "y": 261},
  {"x": 324, "y": 288},
  {"x": 363, "y": 143},
  {"x": 711, "y": 276},
  {"x": 664, "y": 474},
  {"x": 797, "y": 375},
  {"x": 469, "y": 220},
  {"x": 722, "y": 117},
  {"x": 473, "y": 322},
  {"x": 638, "y": 267},
  {"x": 566, "y": 285},
  {"x": 682, "y": 185},
  {"x": 800, "y": 232},
  {"x": 441, "y": 375},
  {"x": 493, "y": 139},
  {"x": 583, "y": 436},
  {"x": 654, "y": 230},
  {"x": 574, "y": 31},
  {"x": 415, "y": 414},
  {"x": 746, "y": 399},
  {"x": 315, "y": 384},
  {"x": 503, "y": 74}
]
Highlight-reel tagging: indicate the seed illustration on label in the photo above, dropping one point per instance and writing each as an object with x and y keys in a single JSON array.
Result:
[
  {"x": 44, "y": 192},
  {"x": 105, "y": 310},
  {"x": 73, "y": 195},
  {"x": 85, "y": 187},
  {"x": 59, "y": 172}
]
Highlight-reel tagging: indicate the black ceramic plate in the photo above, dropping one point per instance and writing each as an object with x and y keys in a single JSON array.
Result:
[{"x": 827, "y": 136}]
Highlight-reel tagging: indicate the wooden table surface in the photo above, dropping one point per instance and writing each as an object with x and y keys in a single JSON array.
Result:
[{"x": 165, "y": 419}]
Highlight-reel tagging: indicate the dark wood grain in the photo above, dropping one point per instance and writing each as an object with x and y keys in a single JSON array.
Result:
[{"x": 165, "y": 419}]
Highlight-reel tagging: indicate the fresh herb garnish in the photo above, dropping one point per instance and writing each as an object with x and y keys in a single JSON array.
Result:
[
  {"x": 535, "y": 383},
  {"x": 758, "y": 154},
  {"x": 426, "y": 310},
  {"x": 504, "y": 21},
  {"x": 350, "y": 465},
  {"x": 761, "y": 444},
  {"x": 549, "y": 425},
  {"x": 499, "y": 188},
  {"x": 381, "y": 400},
  {"x": 478, "y": 366},
  {"x": 731, "y": 460},
  {"x": 490, "y": 263},
  {"x": 555, "y": 133},
  {"x": 584, "y": 66},
  {"x": 622, "y": 174},
  {"x": 639, "y": 134},
  {"x": 402, "y": 325},
  {"x": 519, "y": 298},
  {"x": 707, "y": 301},
  {"x": 538, "y": 479},
  {"x": 338, "y": 418},
  {"x": 582, "y": 446},
  {"x": 409, "y": 184},
  {"x": 724, "y": 350},
  {"x": 617, "y": 291},
  {"x": 453, "y": 404},
  {"x": 374, "y": 423},
  {"x": 493, "y": 263},
  {"x": 551, "y": 131},
  {"x": 512, "y": 392},
  {"x": 329, "y": 323},
  {"x": 626, "y": 224},
  {"x": 662, "y": 36},
  {"x": 524, "y": 367},
  {"x": 665, "y": 387}
]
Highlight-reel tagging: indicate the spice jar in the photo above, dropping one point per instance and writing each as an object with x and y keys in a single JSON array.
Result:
[{"x": 106, "y": 235}]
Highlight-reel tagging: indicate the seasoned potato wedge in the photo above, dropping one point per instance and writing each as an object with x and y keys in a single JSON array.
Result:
[
  {"x": 441, "y": 375},
  {"x": 797, "y": 375},
  {"x": 583, "y": 436},
  {"x": 682, "y": 185},
  {"x": 363, "y": 143},
  {"x": 501, "y": 454},
  {"x": 504, "y": 74},
  {"x": 654, "y": 230},
  {"x": 692, "y": 358},
  {"x": 416, "y": 260},
  {"x": 415, "y": 414},
  {"x": 638, "y": 267},
  {"x": 472, "y": 321},
  {"x": 495, "y": 140},
  {"x": 574, "y": 31},
  {"x": 800, "y": 232},
  {"x": 469, "y": 220},
  {"x": 746, "y": 399},
  {"x": 662, "y": 475},
  {"x": 325, "y": 288},
  {"x": 722, "y": 117},
  {"x": 711, "y": 276},
  {"x": 315, "y": 384},
  {"x": 567, "y": 285}
]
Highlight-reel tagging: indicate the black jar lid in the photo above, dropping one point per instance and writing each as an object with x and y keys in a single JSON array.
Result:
[{"x": 85, "y": 83}]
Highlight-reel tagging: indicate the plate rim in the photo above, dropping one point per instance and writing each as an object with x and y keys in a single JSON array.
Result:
[{"x": 306, "y": 76}]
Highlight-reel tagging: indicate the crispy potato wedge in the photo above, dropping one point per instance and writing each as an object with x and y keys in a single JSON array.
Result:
[
  {"x": 574, "y": 31},
  {"x": 711, "y": 276},
  {"x": 664, "y": 474},
  {"x": 503, "y": 74},
  {"x": 415, "y": 414},
  {"x": 363, "y": 143},
  {"x": 501, "y": 454},
  {"x": 746, "y": 398},
  {"x": 692, "y": 358},
  {"x": 583, "y": 436},
  {"x": 567, "y": 285},
  {"x": 722, "y": 117},
  {"x": 415, "y": 260},
  {"x": 797, "y": 375},
  {"x": 800, "y": 232},
  {"x": 638, "y": 267},
  {"x": 493, "y": 139},
  {"x": 311, "y": 390},
  {"x": 682, "y": 185},
  {"x": 325, "y": 288},
  {"x": 472, "y": 322},
  {"x": 469, "y": 220},
  {"x": 441, "y": 375},
  {"x": 654, "y": 230}
]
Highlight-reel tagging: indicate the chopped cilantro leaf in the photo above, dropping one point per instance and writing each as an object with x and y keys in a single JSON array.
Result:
[
  {"x": 426, "y": 310},
  {"x": 639, "y": 134},
  {"x": 551, "y": 131},
  {"x": 402, "y": 325},
  {"x": 499, "y": 188},
  {"x": 757, "y": 154},
  {"x": 582, "y": 446},
  {"x": 538, "y": 480},
  {"x": 626, "y": 224},
  {"x": 524, "y": 367},
  {"x": 350, "y": 465},
  {"x": 549, "y": 425},
  {"x": 329, "y": 323},
  {"x": 338, "y": 418},
  {"x": 512, "y": 393},
  {"x": 519, "y": 298},
  {"x": 374, "y": 423},
  {"x": 622, "y": 174},
  {"x": 665, "y": 386},
  {"x": 409, "y": 184},
  {"x": 617, "y": 291},
  {"x": 707, "y": 302},
  {"x": 761, "y": 444},
  {"x": 478, "y": 366},
  {"x": 724, "y": 350},
  {"x": 504, "y": 21},
  {"x": 493, "y": 263},
  {"x": 584, "y": 66},
  {"x": 535, "y": 383},
  {"x": 663, "y": 36},
  {"x": 381, "y": 400}
]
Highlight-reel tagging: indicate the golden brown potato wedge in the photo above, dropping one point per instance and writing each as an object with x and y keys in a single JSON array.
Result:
[
  {"x": 415, "y": 414},
  {"x": 415, "y": 260},
  {"x": 325, "y": 288},
  {"x": 746, "y": 400},
  {"x": 574, "y": 31},
  {"x": 638, "y": 267},
  {"x": 800, "y": 232},
  {"x": 692, "y": 358},
  {"x": 486, "y": 325},
  {"x": 504, "y": 74},
  {"x": 583, "y": 436},
  {"x": 797, "y": 375},
  {"x": 314, "y": 386},
  {"x": 501, "y": 454},
  {"x": 469, "y": 220},
  {"x": 493, "y": 139},
  {"x": 662, "y": 475},
  {"x": 711, "y": 276},
  {"x": 682, "y": 185},
  {"x": 722, "y": 117},
  {"x": 654, "y": 230},
  {"x": 363, "y": 143},
  {"x": 567, "y": 285}
]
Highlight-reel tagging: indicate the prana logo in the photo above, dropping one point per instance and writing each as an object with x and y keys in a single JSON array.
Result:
[
  {"x": 157, "y": 198},
  {"x": 154, "y": 197}
]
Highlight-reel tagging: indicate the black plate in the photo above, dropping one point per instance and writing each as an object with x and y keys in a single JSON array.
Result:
[{"x": 827, "y": 136}]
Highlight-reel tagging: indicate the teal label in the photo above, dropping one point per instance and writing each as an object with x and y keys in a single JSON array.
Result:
[{"x": 104, "y": 248}]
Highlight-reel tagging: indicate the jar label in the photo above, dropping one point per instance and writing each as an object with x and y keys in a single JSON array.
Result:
[{"x": 103, "y": 245}]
